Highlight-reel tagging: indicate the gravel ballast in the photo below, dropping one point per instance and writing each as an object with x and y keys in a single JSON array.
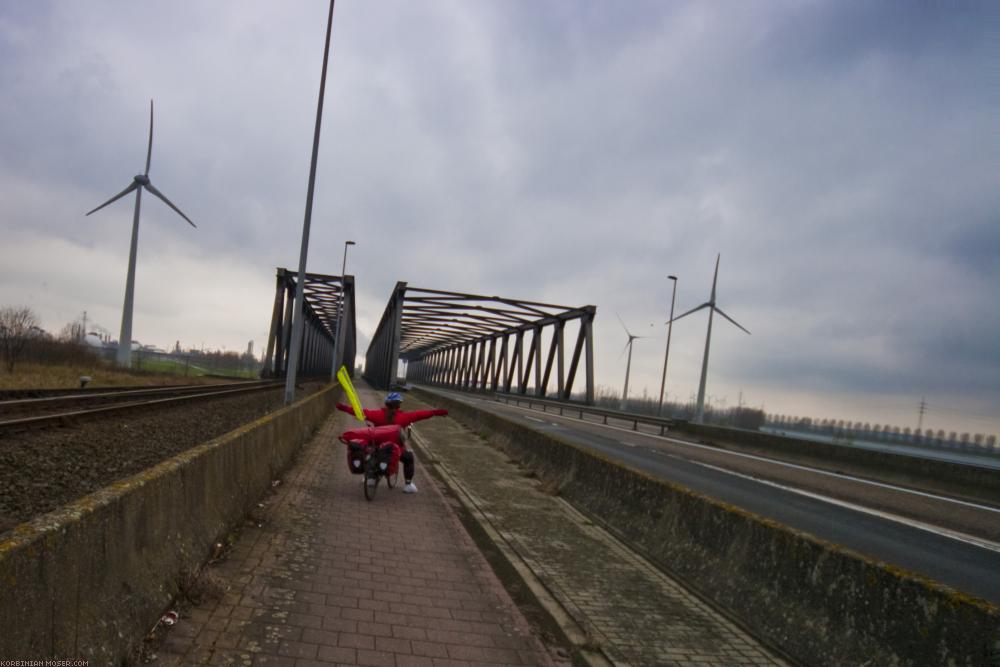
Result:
[{"x": 41, "y": 470}]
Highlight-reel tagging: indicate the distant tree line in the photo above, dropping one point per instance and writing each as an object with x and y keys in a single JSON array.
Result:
[
  {"x": 212, "y": 360},
  {"x": 856, "y": 430},
  {"x": 23, "y": 341},
  {"x": 18, "y": 328}
]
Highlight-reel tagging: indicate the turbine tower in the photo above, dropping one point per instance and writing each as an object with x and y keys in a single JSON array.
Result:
[
  {"x": 712, "y": 308},
  {"x": 628, "y": 365},
  {"x": 124, "y": 356}
]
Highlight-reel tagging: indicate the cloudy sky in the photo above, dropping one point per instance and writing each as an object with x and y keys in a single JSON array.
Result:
[{"x": 843, "y": 157}]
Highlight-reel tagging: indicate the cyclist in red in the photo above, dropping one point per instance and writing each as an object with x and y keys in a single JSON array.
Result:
[{"x": 391, "y": 414}]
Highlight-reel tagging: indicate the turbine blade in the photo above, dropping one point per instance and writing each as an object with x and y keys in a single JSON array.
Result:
[
  {"x": 149, "y": 152},
  {"x": 719, "y": 311},
  {"x": 715, "y": 278},
  {"x": 693, "y": 310},
  {"x": 149, "y": 186},
  {"x": 627, "y": 332},
  {"x": 132, "y": 186}
]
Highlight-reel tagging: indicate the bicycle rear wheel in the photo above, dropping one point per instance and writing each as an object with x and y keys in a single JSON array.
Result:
[{"x": 371, "y": 475}]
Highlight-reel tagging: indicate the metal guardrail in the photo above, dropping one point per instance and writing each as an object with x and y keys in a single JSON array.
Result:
[
  {"x": 581, "y": 409},
  {"x": 665, "y": 423},
  {"x": 893, "y": 443},
  {"x": 983, "y": 452}
]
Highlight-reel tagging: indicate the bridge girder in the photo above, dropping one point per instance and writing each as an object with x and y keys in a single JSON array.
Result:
[
  {"x": 323, "y": 351},
  {"x": 476, "y": 343}
]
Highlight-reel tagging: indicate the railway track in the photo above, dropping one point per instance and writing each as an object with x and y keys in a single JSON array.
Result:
[
  {"x": 32, "y": 413},
  {"x": 29, "y": 392}
]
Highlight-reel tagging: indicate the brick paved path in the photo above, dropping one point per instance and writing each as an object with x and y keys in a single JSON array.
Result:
[
  {"x": 630, "y": 610},
  {"x": 330, "y": 578}
]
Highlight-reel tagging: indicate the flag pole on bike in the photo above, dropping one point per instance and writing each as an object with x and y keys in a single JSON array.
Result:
[
  {"x": 390, "y": 415},
  {"x": 345, "y": 381}
]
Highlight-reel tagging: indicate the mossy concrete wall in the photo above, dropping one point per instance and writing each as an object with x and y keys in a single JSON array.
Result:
[
  {"x": 965, "y": 481},
  {"x": 820, "y": 603},
  {"x": 89, "y": 580}
]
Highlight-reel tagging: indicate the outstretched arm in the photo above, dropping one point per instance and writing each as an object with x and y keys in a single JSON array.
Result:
[
  {"x": 368, "y": 412},
  {"x": 407, "y": 418}
]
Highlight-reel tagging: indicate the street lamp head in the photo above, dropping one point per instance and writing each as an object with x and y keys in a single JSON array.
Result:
[
  {"x": 349, "y": 243},
  {"x": 672, "y": 277}
]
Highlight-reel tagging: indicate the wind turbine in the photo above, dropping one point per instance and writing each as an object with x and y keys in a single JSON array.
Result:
[
  {"x": 124, "y": 356},
  {"x": 712, "y": 308},
  {"x": 628, "y": 365}
]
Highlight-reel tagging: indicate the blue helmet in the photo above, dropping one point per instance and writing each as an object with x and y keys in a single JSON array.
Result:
[{"x": 394, "y": 397}]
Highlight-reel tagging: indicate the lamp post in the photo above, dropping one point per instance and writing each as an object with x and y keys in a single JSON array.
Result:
[
  {"x": 299, "y": 302},
  {"x": 666, "y": 355},
  {"x": 340, "y": 315},
  {"x": 343, "y": 267}
]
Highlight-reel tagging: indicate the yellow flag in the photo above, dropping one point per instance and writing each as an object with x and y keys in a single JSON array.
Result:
[{"x": 352, "y": 396}]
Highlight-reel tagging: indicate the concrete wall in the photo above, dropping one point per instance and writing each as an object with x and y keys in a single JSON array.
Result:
[
  {"x": 822, "y": 604},
  {"x": 964, "y": 481},
  {"x": 89, "y": 580}
]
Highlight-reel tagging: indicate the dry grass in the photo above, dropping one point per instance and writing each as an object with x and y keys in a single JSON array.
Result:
[{"x": 38, "y": 376}]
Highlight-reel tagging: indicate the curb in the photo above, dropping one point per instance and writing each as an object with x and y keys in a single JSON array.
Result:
[{"x": 557, "y": 614}]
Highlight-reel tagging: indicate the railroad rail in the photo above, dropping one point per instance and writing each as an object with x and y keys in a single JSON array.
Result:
[
  {"x": 76, "y": 406},
  {"x": 81, "y": 398},
  {"x": 48, "y": 392}
]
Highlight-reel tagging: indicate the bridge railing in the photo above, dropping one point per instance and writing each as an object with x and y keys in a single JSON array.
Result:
[
  {"x": 604, "y": 413},
  {"x": 663, "y": 424},
  {"x": 580, "y": 409}
]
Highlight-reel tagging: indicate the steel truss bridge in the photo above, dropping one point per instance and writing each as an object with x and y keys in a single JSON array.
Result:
[
  {"x": 477, "y": 343},
  {"x": 328, "y": 303}
]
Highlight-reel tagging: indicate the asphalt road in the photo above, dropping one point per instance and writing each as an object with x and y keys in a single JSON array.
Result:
[{"x": 951, "y": 541}]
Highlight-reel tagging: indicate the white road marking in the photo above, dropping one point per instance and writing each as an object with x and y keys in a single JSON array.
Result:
[
  {"x": 777, "y": 462},
  {"x": 943, "y": 532}
]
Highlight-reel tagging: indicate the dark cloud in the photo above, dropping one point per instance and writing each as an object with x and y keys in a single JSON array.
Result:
[{"x": 836, "y": 154}]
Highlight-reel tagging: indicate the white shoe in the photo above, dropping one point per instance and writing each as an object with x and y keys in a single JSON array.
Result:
[{"x": 410, "y": 488}]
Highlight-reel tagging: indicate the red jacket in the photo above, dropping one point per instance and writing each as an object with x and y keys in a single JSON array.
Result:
[
  {"x": 374, "y": 435},
  {"x": 400, "y": 418}
]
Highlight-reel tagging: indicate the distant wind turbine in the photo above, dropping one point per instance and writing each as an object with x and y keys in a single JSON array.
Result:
[
  {"x": 628, "y": 365},
  {"x": 124, "y": 356},
  {"x": 712, "y": 308}
]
